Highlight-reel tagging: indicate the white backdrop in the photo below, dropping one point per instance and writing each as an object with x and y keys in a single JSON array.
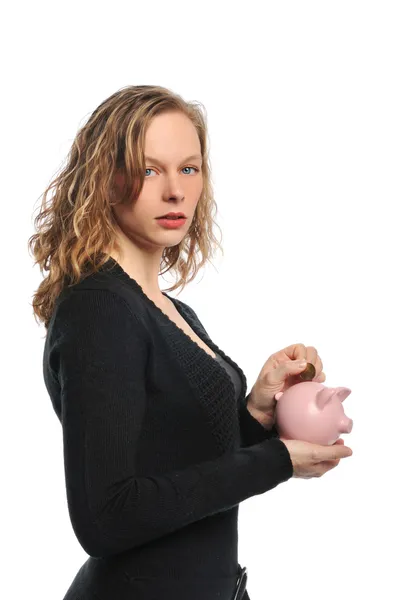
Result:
[{"x": 302, "y": 109}]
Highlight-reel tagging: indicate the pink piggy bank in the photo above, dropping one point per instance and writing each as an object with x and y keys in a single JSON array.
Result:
[{"x": 312, "y": 412}]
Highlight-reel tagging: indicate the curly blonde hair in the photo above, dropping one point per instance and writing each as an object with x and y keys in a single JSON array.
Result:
[{"x": 76, "y": 229}]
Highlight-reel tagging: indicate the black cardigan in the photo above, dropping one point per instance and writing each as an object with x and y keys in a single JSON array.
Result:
[{"x": 158, "y": 452}]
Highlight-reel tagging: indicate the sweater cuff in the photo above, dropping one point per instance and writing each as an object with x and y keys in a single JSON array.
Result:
[{"x": 251, "y": 431}]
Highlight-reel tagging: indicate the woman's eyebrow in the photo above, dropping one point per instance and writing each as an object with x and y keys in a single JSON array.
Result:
[{"x": 155, "y": 160}]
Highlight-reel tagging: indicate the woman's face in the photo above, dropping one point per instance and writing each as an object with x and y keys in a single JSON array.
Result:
[{"x": 172, "y": 183}]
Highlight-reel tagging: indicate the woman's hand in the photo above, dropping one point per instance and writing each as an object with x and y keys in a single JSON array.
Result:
[
  {"x": 279, "y": 373},
  {"x": 314, "y": 460}
]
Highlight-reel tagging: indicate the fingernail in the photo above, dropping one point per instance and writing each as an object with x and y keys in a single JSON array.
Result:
[{"x": 302, "y": 363}]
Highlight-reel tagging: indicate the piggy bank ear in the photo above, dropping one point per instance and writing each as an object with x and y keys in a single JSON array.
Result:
[
  {"x": 342, "y": 392},
  {"x": 278, "y": 395},
  {"x": 323, "y": 396}
]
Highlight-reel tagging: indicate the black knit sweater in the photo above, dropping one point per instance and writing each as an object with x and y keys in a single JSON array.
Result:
[{"x": 158, "y": 453}]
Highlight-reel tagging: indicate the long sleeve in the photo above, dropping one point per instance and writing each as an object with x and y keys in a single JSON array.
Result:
[
  {"x": 251, "y": 431},
  {"x": 99, "y": 350}
]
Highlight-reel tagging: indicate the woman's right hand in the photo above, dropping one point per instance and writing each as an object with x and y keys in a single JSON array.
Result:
[{"x": 314, "y": 460}]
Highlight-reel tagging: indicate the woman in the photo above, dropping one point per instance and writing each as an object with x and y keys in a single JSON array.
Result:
[{"x": 161, "y": 442}]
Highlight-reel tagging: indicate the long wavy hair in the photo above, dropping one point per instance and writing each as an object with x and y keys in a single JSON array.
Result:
[{"x": 76, "y": 228}]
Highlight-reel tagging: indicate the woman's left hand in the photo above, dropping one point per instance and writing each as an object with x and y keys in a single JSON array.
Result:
[{"x": 279, "y": 373}]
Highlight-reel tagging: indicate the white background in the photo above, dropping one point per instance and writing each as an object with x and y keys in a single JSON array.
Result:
[{"x": 302, "y": 104}]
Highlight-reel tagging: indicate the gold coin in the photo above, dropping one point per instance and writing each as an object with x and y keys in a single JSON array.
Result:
[{"x": 308, "y": 374}]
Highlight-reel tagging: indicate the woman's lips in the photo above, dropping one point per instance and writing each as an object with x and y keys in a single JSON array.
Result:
[{"x": 172, "y": 223}]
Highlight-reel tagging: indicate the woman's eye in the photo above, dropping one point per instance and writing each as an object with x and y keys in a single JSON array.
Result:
[{"x": 195, "y": 169}]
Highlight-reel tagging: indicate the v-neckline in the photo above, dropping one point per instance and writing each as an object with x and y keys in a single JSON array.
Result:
[
  {"x": 180, "y": 309},
  {"x": 211, "y": 383},
  {"x": 116, "y": 267}
]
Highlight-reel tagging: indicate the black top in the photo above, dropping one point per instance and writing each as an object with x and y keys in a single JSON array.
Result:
[
  {"x": 159, "y": 446},
  {"x": 233, "y": 373}
]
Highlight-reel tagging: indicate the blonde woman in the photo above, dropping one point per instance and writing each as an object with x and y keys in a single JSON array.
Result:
[{"x": 161, "y": 440}]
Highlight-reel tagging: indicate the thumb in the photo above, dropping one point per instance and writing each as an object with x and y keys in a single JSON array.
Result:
[
  {"x": 333, "y": 452},
  {"x": 291, "y": 367}
]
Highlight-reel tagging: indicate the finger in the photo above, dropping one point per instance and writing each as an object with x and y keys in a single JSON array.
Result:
[
  {"x": 320, "y": 378},
  {"x": 328, "y": 465},
  {"x": 287, "y": 369},
  {"x": 319, "y": 368},
  {"x": 334, "y": 452},
  {"x": 310, "y": 354},
  {"x": 314, "y": 358},
  {"x": 296, "y": 351}
]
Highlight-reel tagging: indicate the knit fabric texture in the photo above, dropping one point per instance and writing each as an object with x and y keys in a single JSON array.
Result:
[{"x": 159, "y": 446}]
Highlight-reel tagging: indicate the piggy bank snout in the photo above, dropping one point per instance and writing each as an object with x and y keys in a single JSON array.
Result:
[{"x": 346, "y": 425}]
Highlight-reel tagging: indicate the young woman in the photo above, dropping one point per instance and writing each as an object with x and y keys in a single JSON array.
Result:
[{"x": 161, "y": 441}]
